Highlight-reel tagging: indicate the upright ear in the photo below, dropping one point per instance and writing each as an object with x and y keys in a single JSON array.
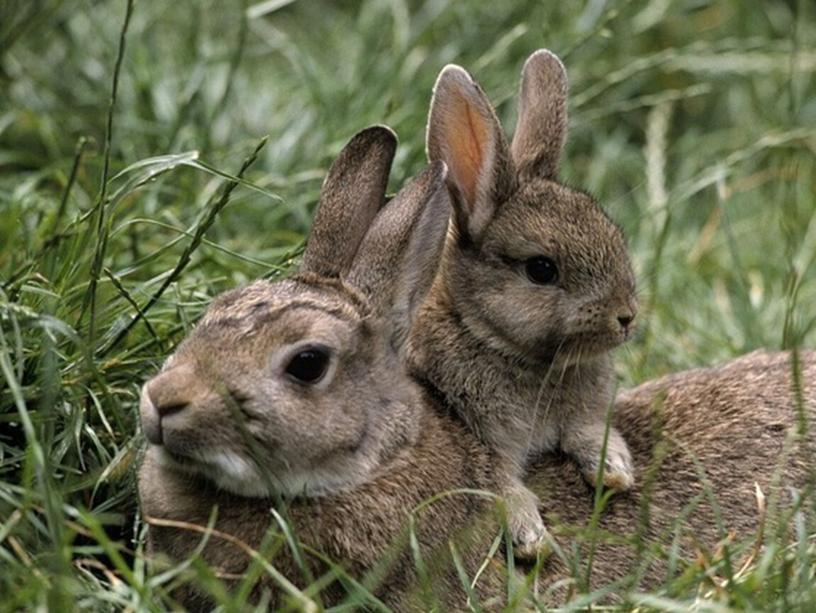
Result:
[
  {"x": 396, "y": 264},
  {"x": 464, "y": 132},
  {"x": 542, "y": 121},
  {"x": 353, "y": 192}
]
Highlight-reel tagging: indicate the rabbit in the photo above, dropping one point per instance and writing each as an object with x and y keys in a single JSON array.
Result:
[
  {"x": 293, "y": 390},
  {"x": 534, "y": 290}
]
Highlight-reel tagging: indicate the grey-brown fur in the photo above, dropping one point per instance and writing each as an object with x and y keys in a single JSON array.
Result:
[
  {"x": 359, "y": 528},
  {"x": 357, "y": 449},
  {"x": 724, "y": 429},
  {"x": 734, "y": 419},
  {"x": 729, "y": 423},
  {"x": 525, "y": 365}
]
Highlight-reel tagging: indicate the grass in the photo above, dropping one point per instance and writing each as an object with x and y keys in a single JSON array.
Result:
[{"x": 134, "y": 187}]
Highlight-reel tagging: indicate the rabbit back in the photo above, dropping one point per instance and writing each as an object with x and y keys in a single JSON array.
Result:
[{"x": 702, "y": 440}]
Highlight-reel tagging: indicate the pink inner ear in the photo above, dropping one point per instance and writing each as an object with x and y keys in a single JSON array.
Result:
[{"x": 467, "y": 136}]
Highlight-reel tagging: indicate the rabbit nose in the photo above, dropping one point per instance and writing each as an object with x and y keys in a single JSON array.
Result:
[
  {"x": 625, "y": 320},
  {"x": 165, "y": 394},
  {"x": 169, "y": 392},
  {"x": 151, "y": 420}
]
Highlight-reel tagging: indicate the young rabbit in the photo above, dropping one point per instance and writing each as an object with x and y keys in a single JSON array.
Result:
[
  {"x": 294, "y": 390},
  {"x": 534, "y": 290}
]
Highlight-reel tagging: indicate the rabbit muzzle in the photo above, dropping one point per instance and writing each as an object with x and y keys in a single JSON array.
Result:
[
  {"x": 151, "y": 420},
  {"x": 624, "y": 316},
  {"x": 167, "y": 394}
]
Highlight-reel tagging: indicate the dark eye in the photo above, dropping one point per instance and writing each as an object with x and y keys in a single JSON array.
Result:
[
  {"x": 541, "y": 270},
  {"x": 309, "y": 365}
]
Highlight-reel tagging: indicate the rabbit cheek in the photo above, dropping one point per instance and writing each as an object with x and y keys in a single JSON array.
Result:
[
  {"x": 533, "y": 311},
  {"x": 215, "y": 448},
  {"x": 322, "y": 428}
]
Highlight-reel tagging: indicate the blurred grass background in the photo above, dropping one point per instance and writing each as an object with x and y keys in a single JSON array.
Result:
[{"x": 693, "y": 121}]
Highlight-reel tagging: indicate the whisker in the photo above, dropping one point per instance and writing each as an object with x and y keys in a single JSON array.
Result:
[{"x": 544, "y": 382}]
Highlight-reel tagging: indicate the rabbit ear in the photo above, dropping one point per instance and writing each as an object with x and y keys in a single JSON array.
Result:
[
  {"x": 397, "y": 261},
  {"x": 542, "y": 120},
  {"x": 353, "y": 192},
  {"x": 464, "y": 132}
]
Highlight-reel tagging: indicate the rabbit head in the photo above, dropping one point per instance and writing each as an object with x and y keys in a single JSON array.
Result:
[
  {"x": 535, "y": 267},
  {"x": 294, "y": 387}
]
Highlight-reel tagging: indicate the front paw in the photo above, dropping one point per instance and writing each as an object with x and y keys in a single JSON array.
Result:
[
  {"x": 531, "y": 540},
  {"x": 618, "y": 472}
]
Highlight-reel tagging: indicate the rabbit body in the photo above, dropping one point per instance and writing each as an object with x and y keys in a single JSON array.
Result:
[
  {"x": 534, "y": 290},
  {"x": 724, "y": 428},
  {"x": 293, "y": 391}
]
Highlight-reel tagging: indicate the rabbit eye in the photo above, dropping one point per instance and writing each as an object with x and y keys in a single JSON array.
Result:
[
  {"x": 309, "y": 365},
  {"x": 541, "y": 270}
]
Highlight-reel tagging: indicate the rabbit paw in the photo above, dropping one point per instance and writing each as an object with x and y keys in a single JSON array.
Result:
[
  {"x": 618, "y": 473},
  {"x": 530, "y": 536}
]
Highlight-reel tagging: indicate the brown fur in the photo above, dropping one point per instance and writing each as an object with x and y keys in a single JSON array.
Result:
[
  {"x": 729, "y": 423},
  {"x": 734, "y": 420},
  {"x": 524, "y": 364},
  {"x": 724, "y": 429},
  {"x": 359, "y": 528},
  {"x": 358, "y": 449}
]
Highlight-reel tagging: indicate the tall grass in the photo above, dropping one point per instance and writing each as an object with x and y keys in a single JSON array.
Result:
[{"x": 133, "y": 189}]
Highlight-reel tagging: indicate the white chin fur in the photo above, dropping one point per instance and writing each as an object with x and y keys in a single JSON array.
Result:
[
  {"x": 234, "y": 474},
  {"x": 237, "y": 475},
  {"x": 226, "y": 469}
]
